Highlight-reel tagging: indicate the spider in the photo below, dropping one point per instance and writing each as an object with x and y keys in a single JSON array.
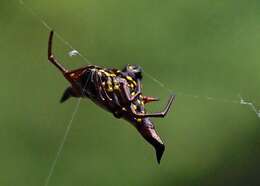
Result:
[{"x": 117, "y": 91}]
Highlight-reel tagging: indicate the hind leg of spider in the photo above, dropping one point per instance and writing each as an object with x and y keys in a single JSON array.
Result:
[
  {"x": 51, "y": 57},
  {"x": 156, "y": 114}
]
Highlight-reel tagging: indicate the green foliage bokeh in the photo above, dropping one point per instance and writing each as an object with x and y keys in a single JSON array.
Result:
[{"x": 196, "y": 48}]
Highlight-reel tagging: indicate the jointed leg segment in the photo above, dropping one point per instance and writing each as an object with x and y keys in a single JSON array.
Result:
[
  {"x": 51, "y": 56},
  {"x": 156, "y": 114},
  {"x": 127, "y": 94},
  {"x": 100, "y": 89}
]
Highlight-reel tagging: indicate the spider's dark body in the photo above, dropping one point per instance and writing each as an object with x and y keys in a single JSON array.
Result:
[{"x": 117, "y": 91}]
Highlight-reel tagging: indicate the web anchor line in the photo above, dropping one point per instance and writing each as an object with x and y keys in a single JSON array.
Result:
[
  {"x": 72, "y": 53},
  {"x": 61, "y": 146},
  {"x": 49, "y": 28},
  {"x": 209, "y": 98}
]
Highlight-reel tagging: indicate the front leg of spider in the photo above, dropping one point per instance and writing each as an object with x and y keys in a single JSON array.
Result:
[
  {"x": 127, "y": 94},
  {"x": 156, "y": 114},
  {"x": 125, "y": 97}
]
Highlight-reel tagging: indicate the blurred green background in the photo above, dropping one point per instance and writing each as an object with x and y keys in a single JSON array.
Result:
[{"x": 196, "y": 48}]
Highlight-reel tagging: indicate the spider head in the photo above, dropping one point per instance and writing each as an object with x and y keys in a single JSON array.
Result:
[{"x": 134, "y": 71}]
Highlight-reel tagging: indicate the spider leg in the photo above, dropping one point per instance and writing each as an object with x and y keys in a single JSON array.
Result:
[
  {"x": 156, "y": 114},
  {"x": 83, "y": 89},
  {"x": 107, "y": 99},
  {"x": 126, "y": 92},
  {"x": 96, "y": 79},
  {"x": 97, "y": 84},
  {"x": 51, "y": 57},
  {"x": 138, "y": 91},
  {"x": 102, "y": 89},
  {"x": 116, "y": 109}
]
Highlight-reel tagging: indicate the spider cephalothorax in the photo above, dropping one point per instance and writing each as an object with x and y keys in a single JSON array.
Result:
[{"x": 117, "y": 91}]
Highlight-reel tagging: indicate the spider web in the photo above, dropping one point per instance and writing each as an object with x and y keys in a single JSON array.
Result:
[
  {"x": 68, "y": 128},
  {"x": 239, "y": 99}
]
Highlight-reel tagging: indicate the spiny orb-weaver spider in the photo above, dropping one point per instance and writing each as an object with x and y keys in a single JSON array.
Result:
[{"x": 117, "y": 91}]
